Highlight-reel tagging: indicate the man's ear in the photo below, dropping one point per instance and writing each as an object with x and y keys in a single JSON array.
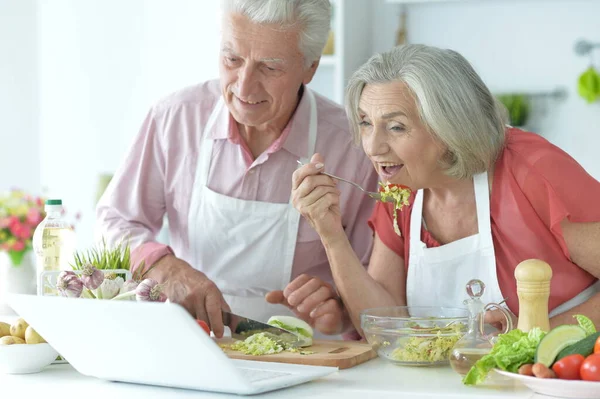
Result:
[{"x": 310, "y": 72}]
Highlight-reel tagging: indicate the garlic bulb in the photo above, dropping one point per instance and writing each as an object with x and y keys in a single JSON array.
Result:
[
  {"x": 129, "y": 285},
  {"x": 150, "y": 290},
  {"x": 91, "y": 277},
  {"x": 69, "y": 285},
  {"x": 108, "y": 289}
]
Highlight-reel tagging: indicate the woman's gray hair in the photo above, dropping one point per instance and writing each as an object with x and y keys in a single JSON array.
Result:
[
  {"x": 313, "y": 17},
  {"x": 453, "y": 102}
]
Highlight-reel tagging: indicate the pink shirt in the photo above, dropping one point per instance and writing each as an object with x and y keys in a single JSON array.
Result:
[{"x": 158, "y": 173}]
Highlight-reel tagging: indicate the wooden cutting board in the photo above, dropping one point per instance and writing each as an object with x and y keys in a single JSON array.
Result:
[{"x": 341, "y": 354}]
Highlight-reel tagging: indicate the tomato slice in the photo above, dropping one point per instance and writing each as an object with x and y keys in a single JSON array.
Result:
[
  {"x": 597, "y": 346},
  {"x": 568, "y": 367},
  {"x": 590, "y": 369},
  {"x": 204, "y": 326}
]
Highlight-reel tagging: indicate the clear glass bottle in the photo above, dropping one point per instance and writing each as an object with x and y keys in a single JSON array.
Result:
[
  {"x": 53, "y": 242},
  {"x": 474, "y": 344}
]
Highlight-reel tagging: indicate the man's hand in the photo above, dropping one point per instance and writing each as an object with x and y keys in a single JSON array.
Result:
[
  {"x": 191, "y": 289},
  {"x": 314, "y": 301}
]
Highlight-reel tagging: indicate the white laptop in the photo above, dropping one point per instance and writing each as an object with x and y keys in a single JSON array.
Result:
[{"x": 111, "y": 340}]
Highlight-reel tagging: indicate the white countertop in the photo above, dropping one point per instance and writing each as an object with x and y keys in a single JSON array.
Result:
[{"x": 376, "y": 378}]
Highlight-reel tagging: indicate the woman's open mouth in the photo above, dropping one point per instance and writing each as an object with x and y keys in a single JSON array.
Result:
[{"x": 388, "y": 169}]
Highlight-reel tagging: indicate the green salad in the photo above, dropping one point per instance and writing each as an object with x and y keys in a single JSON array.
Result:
[{"x": 433, "y": 347}]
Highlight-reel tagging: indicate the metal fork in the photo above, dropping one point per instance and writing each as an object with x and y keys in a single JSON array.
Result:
[{"x": 371, "y": 194}]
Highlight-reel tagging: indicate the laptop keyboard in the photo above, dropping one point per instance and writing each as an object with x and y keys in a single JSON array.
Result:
[{"x": 254, "y": 375}]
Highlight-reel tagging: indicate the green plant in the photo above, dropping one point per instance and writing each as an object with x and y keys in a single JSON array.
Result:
[
  {"x": 104, "y": 258},
  {"x": 518, "y": 107}
]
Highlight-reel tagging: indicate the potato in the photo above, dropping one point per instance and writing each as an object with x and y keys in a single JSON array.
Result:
[
  {"x": 17, "y": 329},
  {"x": 10, "y": 340},
  {"x": 4, "y": 329},
  {"x": 32, "y": 337}
]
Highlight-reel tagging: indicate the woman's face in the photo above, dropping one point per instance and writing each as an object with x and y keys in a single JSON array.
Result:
[{"x": 394, "y": 138}]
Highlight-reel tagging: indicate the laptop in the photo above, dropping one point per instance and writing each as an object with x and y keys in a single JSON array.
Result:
[{"x": 150, "y": 343}]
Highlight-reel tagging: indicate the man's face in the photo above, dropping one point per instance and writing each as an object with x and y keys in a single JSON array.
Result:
[{"x": 261, "y": 70}]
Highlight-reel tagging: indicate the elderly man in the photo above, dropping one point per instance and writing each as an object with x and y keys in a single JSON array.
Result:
[{"x": 218, "y": 159}]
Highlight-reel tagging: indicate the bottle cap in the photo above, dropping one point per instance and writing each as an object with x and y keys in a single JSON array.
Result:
[{"x": 53, "y": 202}]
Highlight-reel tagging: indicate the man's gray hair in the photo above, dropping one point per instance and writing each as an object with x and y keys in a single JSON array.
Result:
[
  {"x": 453, "y": 102},
  {"x": 312, "y": 16}
]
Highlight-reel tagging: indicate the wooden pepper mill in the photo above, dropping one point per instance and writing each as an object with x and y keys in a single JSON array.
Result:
[{"x": 533, "y": 289}]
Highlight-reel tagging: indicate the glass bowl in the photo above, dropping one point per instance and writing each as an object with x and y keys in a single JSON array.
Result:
[{"x": 414, "y": 335}]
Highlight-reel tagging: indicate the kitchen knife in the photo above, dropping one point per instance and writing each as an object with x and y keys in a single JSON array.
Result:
[{"x": 242, "y": 327}]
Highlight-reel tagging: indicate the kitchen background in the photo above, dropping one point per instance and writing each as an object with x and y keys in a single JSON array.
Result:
[{"x": 78, "y": 76}]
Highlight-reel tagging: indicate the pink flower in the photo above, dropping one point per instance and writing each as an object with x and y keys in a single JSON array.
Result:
[
  {"x": 20, "y": 230},
  {"x": 18, "y": 246},
  {"x": 12, "y": 221},
  {"x": 34, "y": 217},
  {"x": 5, "y": 246},
  {"x": 4, "y": 223}
]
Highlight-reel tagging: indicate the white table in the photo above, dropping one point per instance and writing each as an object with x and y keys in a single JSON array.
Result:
[{"x": 376, "y": 378}]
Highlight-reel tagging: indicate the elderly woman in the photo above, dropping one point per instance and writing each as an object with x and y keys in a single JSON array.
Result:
[{"x": 485, "y": 196}]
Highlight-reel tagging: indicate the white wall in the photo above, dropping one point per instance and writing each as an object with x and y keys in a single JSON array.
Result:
[
  {"x": 19, "y": 144},
  {"x": 524, "y": 45},
  {"x": 103, "y": 63},
  {"x": 92, "y": 69}
]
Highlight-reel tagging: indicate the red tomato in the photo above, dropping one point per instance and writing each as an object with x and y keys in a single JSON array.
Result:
[
  {"x": 568, "y": 367},
  {"x": 597, "y": 346},
  {"x": 590, "y": 369},
  {"x": 204, "y": 326}
]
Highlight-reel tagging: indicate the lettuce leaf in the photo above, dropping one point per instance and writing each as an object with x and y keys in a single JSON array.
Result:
[{"x": 510, "y": 352}]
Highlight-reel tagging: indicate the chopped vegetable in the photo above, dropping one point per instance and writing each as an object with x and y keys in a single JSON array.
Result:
[
  {"x": 294, "y": 325},
  {"x": 432, "y": 348},
  {"x": 555, "y": 341},
  {"x": 399, "y": 195},
  {"x": 257, "y": 345}
]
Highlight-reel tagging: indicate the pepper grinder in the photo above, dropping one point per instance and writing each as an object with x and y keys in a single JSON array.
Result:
[{"x": 533, "y": 289}]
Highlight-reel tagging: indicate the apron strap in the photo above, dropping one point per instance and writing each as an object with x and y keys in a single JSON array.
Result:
[
  {"x": 416, "y": 220},
  {"x": 206, "y": 145},
  {"x": 312, "y": 127},
  {"x": 482, "y": 203}
]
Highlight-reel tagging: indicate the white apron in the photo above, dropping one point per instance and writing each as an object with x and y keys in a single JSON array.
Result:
[
  {"x": 438, "y": 276},
  {"x": 245, "y": 247}
]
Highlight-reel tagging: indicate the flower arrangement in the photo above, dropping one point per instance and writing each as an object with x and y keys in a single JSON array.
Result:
[{"x": 20, "y": 214}]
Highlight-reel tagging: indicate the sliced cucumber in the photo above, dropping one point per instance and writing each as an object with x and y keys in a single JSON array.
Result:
[
  {"x": 584, "y": 347},
  {"x": 555, "y": 341}
]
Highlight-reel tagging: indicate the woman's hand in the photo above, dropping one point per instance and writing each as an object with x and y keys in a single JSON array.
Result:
[
  {"x": 496, "y": 318},
  {"x": 314, "y": 301},
  {"x": 317, "y": 199}
]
